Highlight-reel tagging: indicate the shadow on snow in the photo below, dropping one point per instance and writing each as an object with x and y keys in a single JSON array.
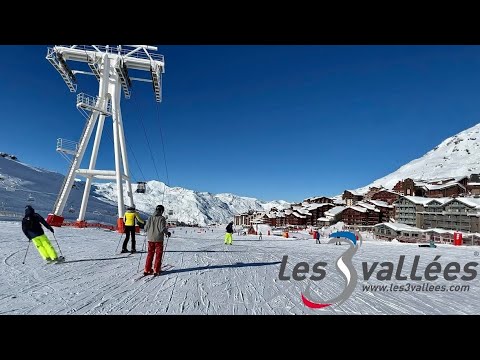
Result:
[
  {"x": 100, "y": 259},
  {"x": 225, "y": 266}
]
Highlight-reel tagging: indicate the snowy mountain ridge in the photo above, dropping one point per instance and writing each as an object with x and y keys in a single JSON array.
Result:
[
  {"x": 458, "y": 155},
  {"x": 190, "y": 206},
  {"x": 22, "y": 184}
]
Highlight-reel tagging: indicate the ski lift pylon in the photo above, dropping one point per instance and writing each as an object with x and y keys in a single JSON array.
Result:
[{"x": 141, "y": 187}]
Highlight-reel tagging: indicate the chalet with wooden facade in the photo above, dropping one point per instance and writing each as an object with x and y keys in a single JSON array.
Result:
[
  {"x": 276, "y": 218},
  {"x": 371, "y": 191},
  {"x": 473, "y": 188},
  {"x": 398, "y": 231},
  {"x": 387, "y": 211},
  {"x": 292, "y": 217},
  {"x": 317, "y": 210},
  {"x": 351, "y": 197},
  {"x": 319, "y": 200},
  {"x": 448, "y": 189},
  {"x": 331, "y": 216},
  {"x": 360, "y": 215},
  {"x": 387, "y": 196},
  {"x": 405, "y": 187},
  {"x": 444, "y": 187},
  {"x": 473, "y": 185}
]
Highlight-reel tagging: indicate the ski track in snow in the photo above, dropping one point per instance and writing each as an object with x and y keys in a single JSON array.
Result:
[{"x": 208, "y": 277}]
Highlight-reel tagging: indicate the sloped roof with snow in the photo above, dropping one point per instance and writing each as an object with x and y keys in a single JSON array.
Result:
[
  {"x": 445, "y": 179},
  {"x": 303, "y": 211},
  {"x": 440, "y": 231},
  {"x": 419, "y": 200},
  {"x": 316, "y": 206},
  {"x": 469, "y": 201},
  {"x": 317, "y": 197},
  {"x": 335, "y": 210},
  {"x": 400, "y": 227},
  {"x": 355, "y": 192},
  {"x": 388, "y": 191},
  {"x": 380, "y": 203},
  {"x": 443, "y": 186},
  {"x": 367, "y": 206},
  {"x": 298, "y": 215},
  {"x": 358, "y": 208}
]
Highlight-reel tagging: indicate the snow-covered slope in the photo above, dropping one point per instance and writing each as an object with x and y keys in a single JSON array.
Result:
[
  {"x": 456, "y": 156},
  {"x": 22, "y": 184},
  {"x": 204, "y": 276}
]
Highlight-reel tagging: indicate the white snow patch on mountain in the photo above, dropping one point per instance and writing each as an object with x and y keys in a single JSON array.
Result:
[{"x": 456, "y": 156}]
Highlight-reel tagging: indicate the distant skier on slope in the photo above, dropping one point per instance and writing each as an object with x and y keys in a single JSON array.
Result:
[
  {"x": 129, "y": 219},
  {"x": 156, "y": 229},
  {"x": 32, "y": 228},
  {"x": 229, "y": 234}
]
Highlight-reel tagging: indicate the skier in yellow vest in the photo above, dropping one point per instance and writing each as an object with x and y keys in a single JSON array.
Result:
[{"x": 129, "y": 219}]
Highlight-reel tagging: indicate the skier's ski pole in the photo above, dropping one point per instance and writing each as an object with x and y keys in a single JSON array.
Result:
[
  {"x": 57, "y": 244},
  {"x": 26, "y": 252},
  {"x": 119, "y": 241},
  {"x": 164, "y": 251},
  {"x": 141, "y": 253}
]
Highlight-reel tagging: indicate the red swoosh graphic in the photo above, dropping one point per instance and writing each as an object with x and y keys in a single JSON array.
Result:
[{"x": 312, "y": 304}]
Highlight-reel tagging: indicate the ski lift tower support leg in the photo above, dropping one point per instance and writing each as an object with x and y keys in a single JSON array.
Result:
[
  {"x": 55, "y": 220},
  {"x": 120, "y": 226},
  {"x": 80, "y": 224}
]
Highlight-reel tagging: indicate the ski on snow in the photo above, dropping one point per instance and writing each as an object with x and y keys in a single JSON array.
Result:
[
  {"x": 149, "y": 277},
  {"x": 58, "y": 260}
]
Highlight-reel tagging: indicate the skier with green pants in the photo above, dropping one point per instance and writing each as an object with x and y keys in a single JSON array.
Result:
[
  {"x": 32, "y": 228},
  {"x": 229, "y": 234}
]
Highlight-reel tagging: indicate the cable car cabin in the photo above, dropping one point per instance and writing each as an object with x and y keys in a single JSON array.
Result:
[
  {"x": 71, "y": 210},
  {"x": 170, "y": 212},
  {"x": 30, "y": 198},
  {"x": 141, "y": 187}
]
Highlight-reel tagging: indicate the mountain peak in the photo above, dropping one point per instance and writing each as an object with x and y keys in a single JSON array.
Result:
[{"x": 457, "y": 155}]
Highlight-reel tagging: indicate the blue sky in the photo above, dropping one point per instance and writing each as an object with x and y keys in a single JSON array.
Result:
[{"x": 272, "y": 122}]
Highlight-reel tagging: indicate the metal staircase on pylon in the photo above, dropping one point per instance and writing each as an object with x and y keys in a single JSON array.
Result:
[{"x": 87, "y": 103}]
